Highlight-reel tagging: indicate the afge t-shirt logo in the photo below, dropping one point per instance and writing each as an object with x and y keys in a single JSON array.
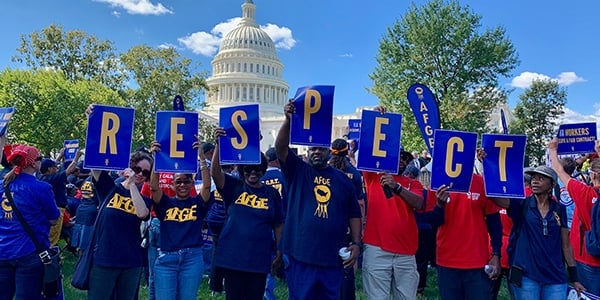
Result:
[
  {"x": 6, "y": 208},
  {"x": 322, "y": 194},
  {"x": 121, "y": 203},
  {"x": 181, "y": 214}
]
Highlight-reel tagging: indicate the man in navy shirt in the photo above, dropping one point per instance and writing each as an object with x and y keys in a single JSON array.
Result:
[{"x": 321, "y": 205}]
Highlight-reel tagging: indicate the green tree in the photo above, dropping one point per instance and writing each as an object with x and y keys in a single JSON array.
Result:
[
  {"x": 159, "y": 74},
  {"x": 441, "y": 45},
  {"x": 536, "y": 116},
  {"x": 49, "y": 107},
  {"x": 79, "y": 55}
]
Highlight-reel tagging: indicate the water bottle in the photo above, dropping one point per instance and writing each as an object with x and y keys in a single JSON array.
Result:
[{"x": 489, "y": 269}]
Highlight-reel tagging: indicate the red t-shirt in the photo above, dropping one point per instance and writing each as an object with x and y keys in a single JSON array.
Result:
[
  {"x": 391, "y": 223},
  {"x": 165, "y": 182},
  {"x": 584, "y": 196},
  {"x": 463, "y": 240}
]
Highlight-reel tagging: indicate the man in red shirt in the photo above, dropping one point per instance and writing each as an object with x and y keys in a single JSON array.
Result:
[{"x": 391, "y": 234}]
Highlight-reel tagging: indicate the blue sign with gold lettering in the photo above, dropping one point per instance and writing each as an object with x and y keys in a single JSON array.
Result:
[
  {"x": 241, "y": 145},
  {"x": 576, "y": 138},
  {"x": 425, "y": 109},
  {"x": 453, "y": 161},
  {"x": 71, "y": 148},
  {"x": 109, "y": 136},
  {"x": 5, "y": 114},
  {"x": 379, "y": 147},
  {"x": 503, "y": 165},
  {"x": 354, "y": 129},
  {"x": 176, "y": 132},
  {"x": 311, "y": 124}
]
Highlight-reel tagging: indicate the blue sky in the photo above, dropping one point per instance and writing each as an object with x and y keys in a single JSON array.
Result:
[{"x": 331, "y": 42}]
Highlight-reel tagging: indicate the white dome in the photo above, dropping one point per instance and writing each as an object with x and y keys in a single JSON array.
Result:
[{"x": 249, "y": 36}]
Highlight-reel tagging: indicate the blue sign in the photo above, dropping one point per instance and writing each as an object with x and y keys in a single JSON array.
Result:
[
  {"x": 503, "y": 120},
  {"x": 5, "y": 114},
  {"x": 576, "y": 138},
  {"x": 452, "y": 164},
  {"x": 312, "y": 122},
  {"x": 425, "y": 108},
  {"x": 353, "y": 129},
  {"x": 178, "y": 103},
  {"x": 176, "y": 132},
  {"x": 71, "y": 148},
  {"x": 503, "y": 165},
  {"x": 241, "y": 145},
  {"x": 379, "y": 147},
  {"x": 109, "y": 136}
]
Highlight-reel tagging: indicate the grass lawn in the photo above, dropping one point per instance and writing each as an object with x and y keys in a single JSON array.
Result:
[{"x": 69, "y": 261}]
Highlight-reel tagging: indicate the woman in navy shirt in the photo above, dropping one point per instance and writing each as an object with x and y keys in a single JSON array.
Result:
[
  {"x": 246, "y": 243},
  {"x": 179, "y": 263}
]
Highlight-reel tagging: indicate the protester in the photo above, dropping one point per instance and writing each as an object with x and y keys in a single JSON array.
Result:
[
  {"x": 86, "y": 216},
  {"x": 461, "y": 260},
  {"x": 21, "y": 270},
  {"x": 540, "y": 241},
  {"x": 391, "y": 234},
  {"x": 584, "y": 197},
  {"x": 339, "y": 160},
  {"x": 179, "y": 265},
  {"x": 58, "y": 179},
  {"x": 246, "y": 243},
  {"x": 425, "y": 255},
  {"x": 321, "y": 205}
]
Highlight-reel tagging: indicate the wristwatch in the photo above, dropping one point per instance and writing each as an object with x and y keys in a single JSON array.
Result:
[{"x": 398, "y": 189}]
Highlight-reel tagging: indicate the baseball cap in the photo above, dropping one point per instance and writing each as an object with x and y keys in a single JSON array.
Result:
[
  {"x": 544, "y": 170},
  {"x": 47, "y": 163},
  {"x": 271, "y": 154}
]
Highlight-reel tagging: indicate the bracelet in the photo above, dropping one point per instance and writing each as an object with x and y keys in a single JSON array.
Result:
[
  {"x": 573, "y": 274},
  {"x": 496, "y": 254}
]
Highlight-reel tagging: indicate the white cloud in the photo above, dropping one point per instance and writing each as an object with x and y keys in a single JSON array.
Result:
[
  {"x": 116, "y": 13},
  {"x": 346, "y": 55},
  {"x": 138, "y": 7},
  {"x": 525, "y": 79},
  {"x": 207, "y": 44}
]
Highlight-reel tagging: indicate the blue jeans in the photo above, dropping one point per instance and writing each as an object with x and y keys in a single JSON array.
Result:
[
  {"x": 534, "y": 290},
  {"x": 590, "y": 277},
  {"x": 463, "y": 283},
  {"x": 177, "y": 274},
  {"x": 115, "y": 282},
  {"x": 21, "y": 278},
  {"x": 153, "y": 241}
]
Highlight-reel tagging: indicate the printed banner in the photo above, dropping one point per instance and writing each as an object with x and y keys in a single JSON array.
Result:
[
  {"x": 354, "y": 129},
  {"x": 241, "y": 145},
  {"x": 425, "y": 109},
  {"x": 453, "y": 162},
  {"x": 176, "y": 132},
  {"x": 379, "y": 147},
  {"x": 71, "y": 148},
  {"x": 178, "y": 103},
  {"x": 503, "y": 120},
  {"x": 109, "y": 136},
  {"x": 576, "y": 138},
  {"x": 498, "y": 168},
  {"x": 311, "y": 124},
  {"x": 5, "y": 114}
]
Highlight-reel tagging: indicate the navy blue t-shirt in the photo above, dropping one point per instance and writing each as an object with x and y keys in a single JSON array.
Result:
[
  {"x": 539, "y": 255},
  {"x": 274, "y": 178},
  {"x": 118, "y": 236},
  {"x": 246, "y": 242},
  {"x": 216, "y": 213},
  {"x": 58, "y": 181},
  {"x": 320, "y": 204},
  {"x": 88, "y": 208},
  {"x": 180, "y": 222}
]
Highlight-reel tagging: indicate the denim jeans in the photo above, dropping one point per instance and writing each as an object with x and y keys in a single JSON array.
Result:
[
  {"x": 463, "y": 283},
  {"x": 21, "y": 278},
  {"x": 153, "y": 240},
  {"x": 118, "y": 282},
  {"x": 177, "y": 274},
  {"x": 534, "y": 290},
  {"x": 590, "y": 277}
]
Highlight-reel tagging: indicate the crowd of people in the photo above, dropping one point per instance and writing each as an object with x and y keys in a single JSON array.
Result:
[{"x": 309, "y": 221}]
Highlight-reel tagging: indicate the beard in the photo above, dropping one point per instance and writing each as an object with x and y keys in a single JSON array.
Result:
[{"x": 319, "y": 164}]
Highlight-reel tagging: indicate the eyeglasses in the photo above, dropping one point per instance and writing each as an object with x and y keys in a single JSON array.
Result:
[
  {"x": 545, "y": 229},
  {"x": 178, "y": 182},
  {"x": 250, "y": 168},
  {"x": 137, "y": 170}
]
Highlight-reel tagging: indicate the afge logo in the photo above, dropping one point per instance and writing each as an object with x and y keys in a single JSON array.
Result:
[
  {"x": 322, "y": 194},
  {"x": 6, "y": 208}
]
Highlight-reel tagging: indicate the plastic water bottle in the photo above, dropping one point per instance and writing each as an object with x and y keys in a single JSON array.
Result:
[{"x": 489, "y": 269}]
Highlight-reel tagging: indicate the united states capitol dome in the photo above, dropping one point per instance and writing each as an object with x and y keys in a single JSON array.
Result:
[{"x": 247, "y": 70}]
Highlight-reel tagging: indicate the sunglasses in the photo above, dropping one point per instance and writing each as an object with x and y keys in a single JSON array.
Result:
[
  {"x": 249, "y": 169},
  {"x": 137, "y": 170},
  {"x": 178, "y": 182}
]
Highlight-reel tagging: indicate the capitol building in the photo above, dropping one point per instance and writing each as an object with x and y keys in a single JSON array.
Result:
[{"x": 248, "y": 70}]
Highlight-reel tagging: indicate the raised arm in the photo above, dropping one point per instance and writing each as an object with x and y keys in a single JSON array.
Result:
[
  {"x": 141, "y": 211},
  {"x": 204, "y": 172},
  {"x": 215, "y": 167},
  {"x": 154, "y": 181},
  {"x": 556, "y": 165},
  {"x": 73, "y": 165},
  {"x": 282, "y": 142}
]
